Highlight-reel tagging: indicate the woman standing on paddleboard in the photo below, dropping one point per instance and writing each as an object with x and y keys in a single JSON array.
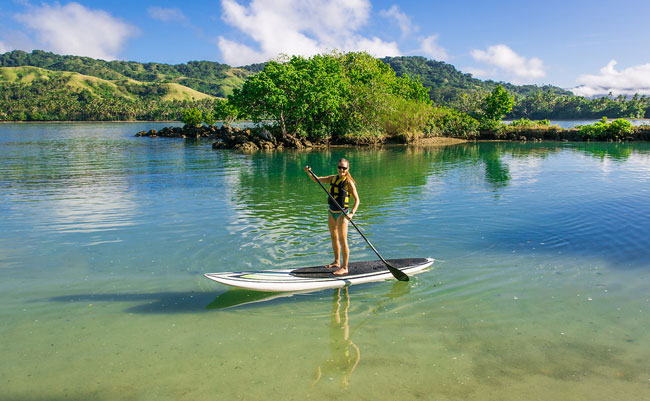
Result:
[{"x": 342, "y": 187}]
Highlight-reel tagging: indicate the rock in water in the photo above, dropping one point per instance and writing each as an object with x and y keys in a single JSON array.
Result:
[
  {"x": 246, "y": 147},
  {"x": 266, "y": 135}
]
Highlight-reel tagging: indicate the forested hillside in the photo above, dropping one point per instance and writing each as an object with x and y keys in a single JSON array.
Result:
[{"x": 446, "y": 83}]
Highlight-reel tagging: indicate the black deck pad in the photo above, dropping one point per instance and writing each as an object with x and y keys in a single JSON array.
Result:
[{"x": 356, "y": 268}]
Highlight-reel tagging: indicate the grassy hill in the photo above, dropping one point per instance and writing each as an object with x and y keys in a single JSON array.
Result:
[
  {"x": 208, "y": 77},
  {"x": 126, "y": 88}
]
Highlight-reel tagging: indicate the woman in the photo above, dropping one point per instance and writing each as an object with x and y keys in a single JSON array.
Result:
[{"x": 342, "y": 187}]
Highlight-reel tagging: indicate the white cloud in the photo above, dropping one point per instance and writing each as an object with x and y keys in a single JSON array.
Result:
[
  {"x": 3, "y": 48},
  {"x": 75, "y": 29},
  {"x": 629, "y": 81},
  {"x": 403, "y": 20},
  {"x": 303, "y": 27},
  {"x": 374, "y": 46},
  {"x": 510, "y": 63},
  {"x": 237, "y": 53},
  {"x": 477, "y": 72},
  {"x": 429, "y": 47},
  {"x": 166, "y": 14}
]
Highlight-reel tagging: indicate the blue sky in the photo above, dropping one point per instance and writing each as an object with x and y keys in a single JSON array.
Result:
[{"x": 593, "y": 46}]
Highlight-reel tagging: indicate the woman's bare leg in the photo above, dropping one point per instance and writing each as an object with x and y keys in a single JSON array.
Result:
[
  {"x": 331, "y": 223},
  {"x": 342, "y": 231}
]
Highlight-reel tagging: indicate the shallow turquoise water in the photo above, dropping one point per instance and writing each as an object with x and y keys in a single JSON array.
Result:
[{"x": 539, "y": 290}]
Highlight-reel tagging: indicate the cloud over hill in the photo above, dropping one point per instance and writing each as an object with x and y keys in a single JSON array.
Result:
[
  {"x": 75, "y": 29},
  {"x": 635, "y": 79},
  {"x": 304, "y": 27}
]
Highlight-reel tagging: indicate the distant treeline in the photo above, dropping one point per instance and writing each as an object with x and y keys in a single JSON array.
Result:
[{"x": 545, "y": 104}]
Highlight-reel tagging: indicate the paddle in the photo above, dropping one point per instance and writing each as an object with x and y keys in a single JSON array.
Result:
[{"x": 397, "y": 273}]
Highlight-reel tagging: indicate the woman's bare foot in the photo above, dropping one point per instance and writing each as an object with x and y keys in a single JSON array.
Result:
[
  {"x": 332, "y": 265},
  {"x": 341, "y": 272}
]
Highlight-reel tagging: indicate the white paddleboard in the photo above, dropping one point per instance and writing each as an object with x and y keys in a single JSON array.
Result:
[{"x": 318, "y": 277}]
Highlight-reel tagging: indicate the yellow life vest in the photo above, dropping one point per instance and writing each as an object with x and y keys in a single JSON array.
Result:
[{"x": 338, "y": 192}]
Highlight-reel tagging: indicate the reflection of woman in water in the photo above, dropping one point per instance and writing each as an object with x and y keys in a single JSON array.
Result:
[{"x": 345, "y": 355}]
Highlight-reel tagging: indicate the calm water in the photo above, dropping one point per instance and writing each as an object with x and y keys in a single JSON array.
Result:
[{"x": 539, "y": 291}]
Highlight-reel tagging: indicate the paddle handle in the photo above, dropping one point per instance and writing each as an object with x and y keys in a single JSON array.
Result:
[{"x": 397, "y": 273}]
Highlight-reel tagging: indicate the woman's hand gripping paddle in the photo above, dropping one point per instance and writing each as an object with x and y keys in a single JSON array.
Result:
[{"x": 397, "y": 273}]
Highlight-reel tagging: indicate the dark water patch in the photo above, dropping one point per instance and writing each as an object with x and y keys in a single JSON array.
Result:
[
  {"x": 189, "y": 302},
  {"x": 152, "y": 303},
  {"x": 182, "y": 302}
]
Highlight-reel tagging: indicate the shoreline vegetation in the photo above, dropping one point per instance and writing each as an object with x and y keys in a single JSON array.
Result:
[{"x": 256, "y": 139}]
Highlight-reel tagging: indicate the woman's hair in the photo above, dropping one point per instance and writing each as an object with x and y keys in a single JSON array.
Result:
[{"x": 349, "y": 175}]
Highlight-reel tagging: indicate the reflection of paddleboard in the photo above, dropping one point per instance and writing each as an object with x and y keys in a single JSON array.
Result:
[
  {"x": 239, "y": 297},
  {"x": 318, "y": 277}
]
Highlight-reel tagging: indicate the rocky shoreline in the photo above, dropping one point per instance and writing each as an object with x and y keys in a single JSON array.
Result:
[
  {"x": 251, "y": 140},
  {"x": 559, "y": 134},
  {"x": 245, "y": 140}
]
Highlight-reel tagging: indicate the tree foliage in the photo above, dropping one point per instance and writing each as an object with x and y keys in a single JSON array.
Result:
[
  {"x": 454, "y": 123},
  {"x": 192, "y": 117},
  {"x": 376, "y": 94},
  {"x": 332, "y": 95},
  {"x": 226, "y": 111},
  {"x": 497, "y": 104},
  {"x": 209, "y": 118},
  {"x": 296, "y": 94},
  {"x": 604, "y": 130}
]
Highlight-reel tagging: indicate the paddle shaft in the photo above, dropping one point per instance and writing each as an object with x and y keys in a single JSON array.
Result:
[{"x": 397, "y": 273}]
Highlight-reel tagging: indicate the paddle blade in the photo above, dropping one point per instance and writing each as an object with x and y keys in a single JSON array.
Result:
[{"x": 397, "y": 273}]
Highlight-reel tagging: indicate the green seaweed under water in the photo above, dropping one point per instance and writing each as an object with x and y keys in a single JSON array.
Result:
[{"x": 539, "y": 289}]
